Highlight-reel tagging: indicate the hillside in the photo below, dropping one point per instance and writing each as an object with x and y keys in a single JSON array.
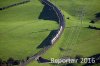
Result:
[{"x": 21, "y": 30}]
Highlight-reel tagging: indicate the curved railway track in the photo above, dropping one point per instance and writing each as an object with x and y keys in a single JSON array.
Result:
[{"x": 61, "y": 23}]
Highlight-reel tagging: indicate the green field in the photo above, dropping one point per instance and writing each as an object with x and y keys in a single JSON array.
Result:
[
  {"x": 8, "y": 2},
  {"x": 21, "y": 31},
  {"x": 88, "y": 39},
  {"x": 76, "y": 39}
]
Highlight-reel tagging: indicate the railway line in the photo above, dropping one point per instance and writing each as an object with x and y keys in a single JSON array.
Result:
[{"x": 54, "y": 38}]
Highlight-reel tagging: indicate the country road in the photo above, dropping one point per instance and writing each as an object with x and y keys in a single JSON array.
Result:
[{"x": 55, "y": 37}]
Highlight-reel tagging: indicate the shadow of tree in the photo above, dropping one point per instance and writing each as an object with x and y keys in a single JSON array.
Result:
[
  {"x": 92, "y": 27},
  {"x": 97, "y": 15},
  {"x": 48, "y": 13},
  {"x": 43, "y": 60},
  {"x": 47, "y": 40},
  {"x": 97, "y": 60}
]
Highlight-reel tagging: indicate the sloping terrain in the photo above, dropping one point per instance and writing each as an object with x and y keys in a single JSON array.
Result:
[
  {"x": 77, "y": 39},
  {"x": 21, "y": 31}
]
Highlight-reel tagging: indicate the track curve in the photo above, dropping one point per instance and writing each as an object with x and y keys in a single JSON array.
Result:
[
  {"x": 55, "y": 37},
  {"x": 60, "y": 17}
]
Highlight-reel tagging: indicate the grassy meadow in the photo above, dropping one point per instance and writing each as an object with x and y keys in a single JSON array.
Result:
[
  {"x": 77, "y": 39},
  {"x": 21, "y": 31}
]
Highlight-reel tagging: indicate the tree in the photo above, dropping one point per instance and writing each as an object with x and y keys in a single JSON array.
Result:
[
  {"x": 97, "y": 15},
  {"x": 0, "y": 61},
  {"x": 10, "y": 61},
  {"x": 79, "y": 58},
  {"x": 16, "y": 62},
  {"x": 92, "y": 21},
  {"x": 4, "y": 63},
  {"x": 27, "y": 57}
]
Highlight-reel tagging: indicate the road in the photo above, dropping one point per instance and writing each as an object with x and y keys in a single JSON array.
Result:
[{"x": 55, "y": 37}]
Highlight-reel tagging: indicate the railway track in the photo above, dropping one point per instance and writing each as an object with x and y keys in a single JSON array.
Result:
[{"x": 55, "y": 37}]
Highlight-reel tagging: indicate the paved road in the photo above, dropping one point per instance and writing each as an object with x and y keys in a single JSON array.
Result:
[{"x": 55, "y": 38}]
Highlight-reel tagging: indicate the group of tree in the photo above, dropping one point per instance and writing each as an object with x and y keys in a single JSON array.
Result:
[
  {"x": 97, "y": 17},
  {"x": 9, "y": 62}
]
